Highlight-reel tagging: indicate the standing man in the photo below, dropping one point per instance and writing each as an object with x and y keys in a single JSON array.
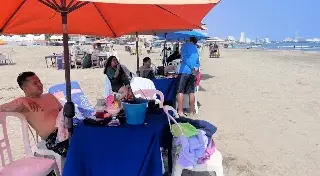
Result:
[{"x": 186, "y": 79}]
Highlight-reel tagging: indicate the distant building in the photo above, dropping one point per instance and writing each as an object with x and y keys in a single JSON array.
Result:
[
  {"x": 247, "y": 40},
  {"x": 299, "y": 39},
  {"x": 288, "y": 39},
  {"x": 266, "y": 40},
  {"x": 231, "y": 39},
  {"x": 242, "y": 38},
  {"x": 313, "y": 40}
]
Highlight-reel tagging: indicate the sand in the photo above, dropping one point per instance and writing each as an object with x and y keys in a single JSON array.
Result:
[{"x": 266, "y": 104}]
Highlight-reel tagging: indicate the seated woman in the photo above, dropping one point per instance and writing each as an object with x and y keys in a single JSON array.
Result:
[
  {"x": 174, "y": 56},
  {"x": 146, "y": 71},
  {"x": 117, "y": 76}
]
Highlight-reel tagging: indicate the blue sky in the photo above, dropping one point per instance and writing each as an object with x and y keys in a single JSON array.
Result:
[{"x": 275, "y": 19}]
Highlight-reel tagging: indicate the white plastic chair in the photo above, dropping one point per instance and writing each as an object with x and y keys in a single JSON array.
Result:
[
  {"x": 175, "y": 62},
  {"x": 170, "y": 68},
  {"x": 186, "y": 100},
  {"x": 214, "y": 164},
  {"x": 138, "y": 83},
  {"x": 150, "y": 94},
  {"x": 107, "y": 87},
  {"x": 40, "y": 149},
  {"x": 29, "y": 165}
]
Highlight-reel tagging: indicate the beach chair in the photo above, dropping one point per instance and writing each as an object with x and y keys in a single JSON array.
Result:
[
  {"x": 186, "y": 96},
  {"x": 5, "y": 60},
  {"x": 107, "y": 87},
  {"x": 150, "y": 94},
  {"x": 78, "y": 60},
  {"x": 29, "y": 165},
  {"x": 214, "y": 164},
  {"x": 39, "y": 148},
  {"x": 80, "y": 100},
  {"x": 95, "y": 62},
  {"x": 175, "y": 62},
  {"x": 138, "y": 83}
]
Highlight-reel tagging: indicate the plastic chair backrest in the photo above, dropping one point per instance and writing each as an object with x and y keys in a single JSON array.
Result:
[
  {"x": 77, "y": 96},
  {"x": 138, "y": 83},
  {"x": 150, "y": 94},
  {"x": 4, "y": 143},
  {"x": 107, "y": 87},
  {"x": 174, "y": 62},
  {"x": 166, "y": 109}
]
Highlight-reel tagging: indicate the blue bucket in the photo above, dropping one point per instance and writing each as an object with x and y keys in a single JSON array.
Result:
[{"x": 135, "y": 113}]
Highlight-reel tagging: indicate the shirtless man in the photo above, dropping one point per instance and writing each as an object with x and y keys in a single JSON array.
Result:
[{"x": 40, "y": 110}]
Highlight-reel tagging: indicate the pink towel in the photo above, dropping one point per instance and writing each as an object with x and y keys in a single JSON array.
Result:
[
  {"x": 209, "y": 151},
  {"x": 62, "y": 127}
]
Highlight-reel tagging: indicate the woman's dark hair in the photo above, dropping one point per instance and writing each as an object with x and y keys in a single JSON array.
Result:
[
  {"x": 146, "y": 59},
  {"x": 108, "y": 63}
]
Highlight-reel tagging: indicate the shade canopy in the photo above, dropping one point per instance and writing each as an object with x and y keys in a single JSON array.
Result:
[
  {"x": 3, "y": 42},
  {"x": 101, "y": 19},
  {"x": 158, "y": 1},
  {"x": 94, "y": 18},
  {"x": 182, "y": 35}
]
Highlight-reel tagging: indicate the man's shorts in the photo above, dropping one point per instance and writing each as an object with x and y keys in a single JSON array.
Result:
[
  {"x": 186, "y": 83},
  {"x": 61, "y": 148}
]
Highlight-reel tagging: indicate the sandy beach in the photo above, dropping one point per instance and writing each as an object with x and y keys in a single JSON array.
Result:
[{"x": 266, "y": 104}]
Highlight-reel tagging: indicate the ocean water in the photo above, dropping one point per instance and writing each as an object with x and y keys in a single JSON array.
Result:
[{"x": 304, "y": 46}]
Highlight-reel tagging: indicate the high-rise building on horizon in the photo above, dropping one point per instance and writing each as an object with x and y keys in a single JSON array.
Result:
[
  {"x": 242, "y": 37},
  {"x": 266, "y": 40}
]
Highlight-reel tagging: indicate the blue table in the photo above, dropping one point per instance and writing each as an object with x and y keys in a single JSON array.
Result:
[
  {"x": 167, "y": 86},
  {"x": 126, "y": 150}
]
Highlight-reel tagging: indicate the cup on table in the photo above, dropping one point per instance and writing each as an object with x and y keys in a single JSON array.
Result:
[
  {"x": 101, "y": 102},
  {"x": 99, "y": 111}
]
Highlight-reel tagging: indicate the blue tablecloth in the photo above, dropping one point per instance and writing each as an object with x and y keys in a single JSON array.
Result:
[
  {"x": 127, "y": 150},
  {"x": 167, "y": 86}
]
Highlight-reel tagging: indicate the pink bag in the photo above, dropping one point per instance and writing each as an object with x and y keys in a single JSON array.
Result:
[
  {"x": 198, "y": 78},
  {"x": 209, "y": 151}
]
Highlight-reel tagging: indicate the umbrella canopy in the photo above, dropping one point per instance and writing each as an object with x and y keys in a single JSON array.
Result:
[
  {"x": 101, "y": 19},
  {"x": 182, "y": 35},
  {"x": 157, "y": 1},
  {"x": 93, "y": 18}
]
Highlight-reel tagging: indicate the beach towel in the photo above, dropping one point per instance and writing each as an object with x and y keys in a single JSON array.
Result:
[
  {"x": 80, "y": 100},
  {"x": 192, "y": 149},
  {"x": 187, "y": 129}
]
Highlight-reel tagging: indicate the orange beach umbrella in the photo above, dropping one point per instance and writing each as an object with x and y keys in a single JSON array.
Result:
[
  {"x": 3, "y": 42},
  {"x": 94, "y": 18},
  {"x": 111, "y": 18}
]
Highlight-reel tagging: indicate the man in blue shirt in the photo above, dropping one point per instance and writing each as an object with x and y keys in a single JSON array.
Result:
[{"x": 188, "y": 69}]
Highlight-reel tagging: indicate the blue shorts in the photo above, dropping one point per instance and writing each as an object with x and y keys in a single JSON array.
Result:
[{"x": 186, "y": 83}]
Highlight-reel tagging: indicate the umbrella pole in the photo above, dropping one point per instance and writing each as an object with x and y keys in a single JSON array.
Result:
[
  {"x": 68, "y": 110},
  {"x": 164, "y": 60},
  {"x": 137, "y": 52}
]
